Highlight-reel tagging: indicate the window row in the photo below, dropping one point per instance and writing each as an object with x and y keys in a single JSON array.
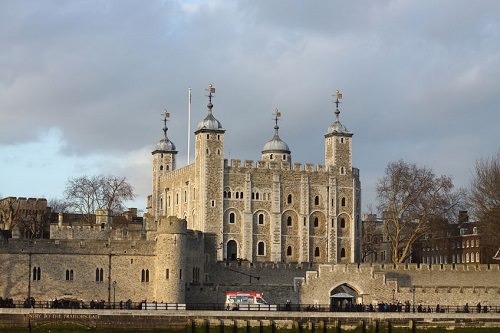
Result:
[
  {"x": 267, "y": 196},
  {"x": 261, "y": 250},
  {"x": 289, "y": 221},
  {"x": 99, "y": 274},
  {"x": 455, "y": 258}
]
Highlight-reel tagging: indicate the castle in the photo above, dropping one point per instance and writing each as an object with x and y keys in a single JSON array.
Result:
[
  {"x": 289, "y": 230},
  {"x": 268, "y": 211}
]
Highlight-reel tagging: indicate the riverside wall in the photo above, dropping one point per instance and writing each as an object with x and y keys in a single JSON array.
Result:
[{"x": 268, "y": 321}]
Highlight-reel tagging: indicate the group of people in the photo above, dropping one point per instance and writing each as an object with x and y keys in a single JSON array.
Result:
[
  {"x": 479, "y": 308},
  {"x": 6, "y": 303}
]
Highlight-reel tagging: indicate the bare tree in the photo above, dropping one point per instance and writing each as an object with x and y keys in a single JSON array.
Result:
[
  {"x": 484, "y": 198},
  {"x": 86, "y": 194},
  {"x": 370, "y": 240},
  {"x": 410, "y": 200},
  {"x": 57, "y": 205},
  {"x": 34, "y": 225}
]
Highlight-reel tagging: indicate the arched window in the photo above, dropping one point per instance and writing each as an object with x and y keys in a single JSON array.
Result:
[
  {"x": 271, "y": 156},
  {"x": 342, "y": 222},
  {"x": 237, "y": 195},
  {"x": 343, "y": 202},
  {"x": 143, "y": 276},
  {"x": 229, "y": 194},
  {"x": 477, "y": 256},
  {"x": 257, "y": 196},
  {"x": 69, "y": 275},
  {"x": 289, "y": 221},
  {"x": 167, "y": 274},
  {"x": 261, "y": 249},
  {"x": 147, "y": 275},
  {"x": 261, "y": 218},
  {"x": 99, "y": 275},
  {"x": 316, "y": 252},
  {"x": 316, "y": 200},
  {"x": 231, "y": 217},
  {"x": 241, "y": 195},
  {"x": 342, "y": 253},
  {"x": 289, "y": 199},
  {"x": 316, "y": 223},
  {"x": 161, "y": 167},
  {"x": 37, "y": 274},
  {"x": 289, "y": 251}
]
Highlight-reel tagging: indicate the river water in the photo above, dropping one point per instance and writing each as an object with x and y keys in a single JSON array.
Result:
[{"x": 219, "y": 329}]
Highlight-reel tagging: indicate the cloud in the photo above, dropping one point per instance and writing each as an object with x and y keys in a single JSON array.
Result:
[{"x": 419, "y": 81}]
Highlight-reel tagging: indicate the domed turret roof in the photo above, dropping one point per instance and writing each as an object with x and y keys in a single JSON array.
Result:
[
  {"x": 165, "y": 145},
  {"x": 276, "y": 145},
  {"x": 337, "y": 127},
  {"x": 209, "y": 123}
]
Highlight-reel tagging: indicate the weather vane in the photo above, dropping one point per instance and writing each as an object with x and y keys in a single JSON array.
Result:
[
  {"x": 166, "y": 116},
  {"x": 338, "y": 97},
  {"x": 277, "y": 115},
  {"x": 211, "y": 90}
]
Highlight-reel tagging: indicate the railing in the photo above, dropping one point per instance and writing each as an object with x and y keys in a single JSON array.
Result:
[{"x": 151, "y": 305}]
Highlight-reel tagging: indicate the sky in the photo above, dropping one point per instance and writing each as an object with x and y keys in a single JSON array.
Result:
[{"x": 83, "y": 84}]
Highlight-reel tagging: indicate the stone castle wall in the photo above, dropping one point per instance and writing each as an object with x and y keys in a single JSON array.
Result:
[{"x": 206, "y": 281}]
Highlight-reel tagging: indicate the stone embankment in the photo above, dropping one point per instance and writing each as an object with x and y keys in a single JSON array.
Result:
[{"x": 197, "y": 321}]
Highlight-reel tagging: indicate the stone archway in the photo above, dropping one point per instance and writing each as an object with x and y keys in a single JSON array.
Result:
[
  {"x": 232, "y": 250},
  {"x": 343, "y": 298}
]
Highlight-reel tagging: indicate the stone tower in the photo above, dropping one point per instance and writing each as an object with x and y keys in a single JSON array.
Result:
[
  {"x": 209, "y": 175},
  {"x": 163, "y": 162},
  {"x": 344, "y": 187},
  {"x": 171, "y": 273}
]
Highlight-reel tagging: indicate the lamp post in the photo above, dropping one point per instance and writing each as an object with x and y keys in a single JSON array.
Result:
[
  {"x": 413, "y": 291},
  {"x": 114, "y": 294}
]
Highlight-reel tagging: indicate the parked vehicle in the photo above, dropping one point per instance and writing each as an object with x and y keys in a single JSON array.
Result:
[{"x": 240, "y": 300}]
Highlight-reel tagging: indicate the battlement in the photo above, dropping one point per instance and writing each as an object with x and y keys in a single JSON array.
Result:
[
  {"x": 76, "y": 247},
  {"x": 24, "y": 199},
  {"x": 269, "y": 165},
  {"x": 185, "y": 170},
  {"x": 385, "y": 268}
]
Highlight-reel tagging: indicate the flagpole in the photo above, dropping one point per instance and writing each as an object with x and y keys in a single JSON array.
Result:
[{"x": 189, "y": 126}]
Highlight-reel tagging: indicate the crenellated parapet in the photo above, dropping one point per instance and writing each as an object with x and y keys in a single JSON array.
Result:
[
  {"x": 78, "y": 248},
  {"x": 272, "y": 165}
]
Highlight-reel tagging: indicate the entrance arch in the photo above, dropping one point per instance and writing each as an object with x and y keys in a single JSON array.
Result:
[
  {"x": 343, "y": 298},
  {"x": 232, "y": 250}
]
